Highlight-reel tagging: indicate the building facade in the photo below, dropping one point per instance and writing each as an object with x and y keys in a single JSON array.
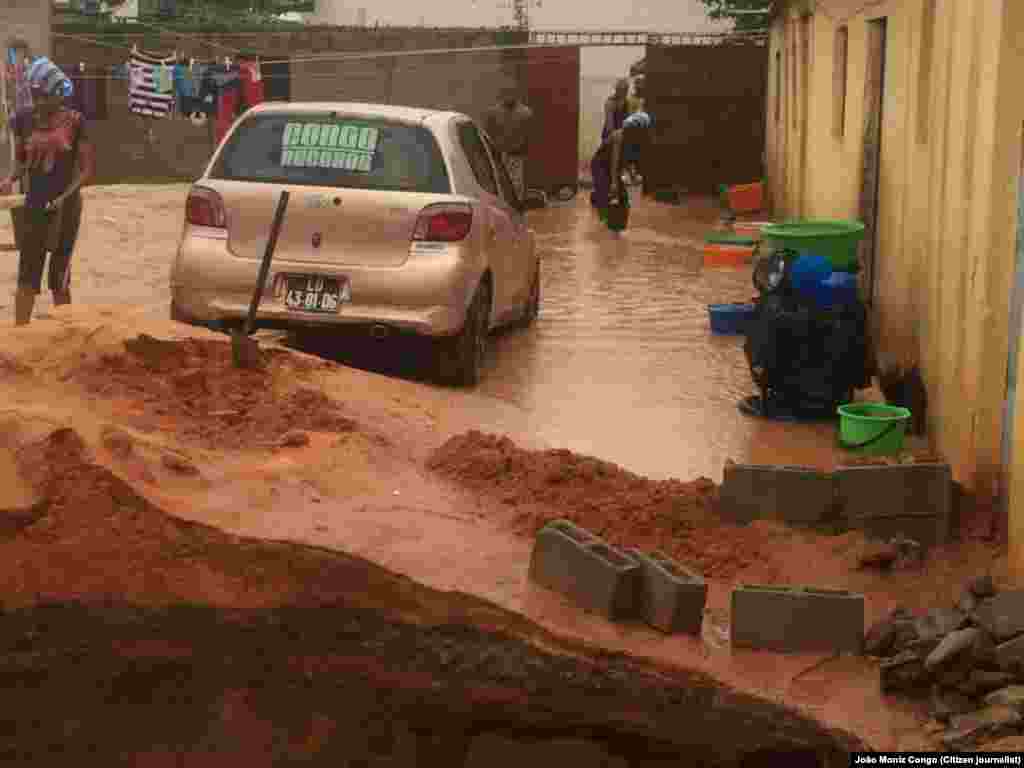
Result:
[{"x": 907, "y": 115}]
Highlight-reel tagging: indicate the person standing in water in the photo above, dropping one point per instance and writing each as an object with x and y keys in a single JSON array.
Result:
[
  {"x": 53, "y": 160},
  {"x": 508, "y": 124},
  {"x": 622, "y": 148}
]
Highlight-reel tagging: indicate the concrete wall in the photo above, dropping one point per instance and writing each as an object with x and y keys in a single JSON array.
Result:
[
  {"x": 708, "y": 107},
  {"x": 27, "y": 20},
  {"x": 950, "y": 159},
  {"x": 468, "y": 82}
]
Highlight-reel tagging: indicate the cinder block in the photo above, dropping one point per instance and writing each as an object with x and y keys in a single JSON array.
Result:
[
  {"x": 797, "y": 619},
  {"x": 793, "y": 494},
  {"x": 926, "y": 531},
  {"x": 672, "y": 597},
  {"x": 902, "y": 490},
  {"x": 587, "y": 570}
]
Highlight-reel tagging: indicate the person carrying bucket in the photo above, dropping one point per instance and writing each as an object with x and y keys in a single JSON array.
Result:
[
  {"x": 621, "y": 148},
  {"x": 50, "y": 143}
]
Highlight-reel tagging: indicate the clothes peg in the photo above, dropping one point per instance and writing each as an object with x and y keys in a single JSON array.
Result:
[{"x": 81, "y": 67}]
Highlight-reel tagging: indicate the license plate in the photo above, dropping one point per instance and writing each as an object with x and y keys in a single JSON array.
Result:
[{"x": 313, "y": 293}]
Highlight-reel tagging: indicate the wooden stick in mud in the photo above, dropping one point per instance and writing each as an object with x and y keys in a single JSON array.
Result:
[{"x": 244, "y": 350}]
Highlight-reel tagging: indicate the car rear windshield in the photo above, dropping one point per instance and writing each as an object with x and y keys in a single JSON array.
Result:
[{"x": 328, "y": 150}]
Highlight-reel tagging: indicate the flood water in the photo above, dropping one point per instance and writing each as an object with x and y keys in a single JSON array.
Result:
[{"x": 621, "y": 363}]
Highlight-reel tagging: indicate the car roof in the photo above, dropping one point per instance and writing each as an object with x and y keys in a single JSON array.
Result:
[{"x": 360, "y": 109}]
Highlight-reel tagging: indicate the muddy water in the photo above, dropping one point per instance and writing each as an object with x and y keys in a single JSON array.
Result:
[{"x": 622, "y": 364}]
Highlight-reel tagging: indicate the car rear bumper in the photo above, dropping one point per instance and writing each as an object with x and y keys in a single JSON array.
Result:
[{"x": 427, "y": 295}]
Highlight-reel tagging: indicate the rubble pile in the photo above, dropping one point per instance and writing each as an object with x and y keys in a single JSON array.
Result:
[{"x": 968, "y": 659}]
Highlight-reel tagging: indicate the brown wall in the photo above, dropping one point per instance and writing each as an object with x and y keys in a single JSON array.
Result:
[
  {"x": 708, "y": 103},
  {"x": 467, "y": 82}
]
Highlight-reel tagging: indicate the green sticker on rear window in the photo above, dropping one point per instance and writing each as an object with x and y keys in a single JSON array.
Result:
[{"x": 344, "y": 146}]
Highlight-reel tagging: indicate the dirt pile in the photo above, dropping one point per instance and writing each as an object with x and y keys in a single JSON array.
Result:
[
  {"x": 92, "y": 537},
  {"x": 677, "y": 518},
  {"x": 192, "y": 388}
]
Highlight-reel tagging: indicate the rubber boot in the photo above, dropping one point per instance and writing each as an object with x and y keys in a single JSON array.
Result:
[
  {"x": 24, "y": 301},
  {"x": 61, "y": 297}
]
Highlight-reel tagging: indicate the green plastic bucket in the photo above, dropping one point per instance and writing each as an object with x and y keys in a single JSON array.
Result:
[
  {"x": 837, "y": 241},
  {"x": 877, "y": 429}
]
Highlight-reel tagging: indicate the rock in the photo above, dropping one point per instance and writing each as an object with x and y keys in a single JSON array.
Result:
[
  {"x": 955, "y": 673},
  {"x": 939, "y": 622},
  {"x": 987, "y": 723},
  {"x": 179, "y": 464},
  {"x": 878, "y": 555},
  {"x": 1002, "y": 616},
  {"x": 903, "y": 672},
  {"x": 294, "y": 439},
  {"x": 952, "y": 645},
  {"x": 890, "y": 635},
  {"x": 982, "y": 586},
  {"x": 967, "y": 602},
  {"x": 1009, "y": 656},
  {"x": 118, "y": 442},
  {"x": 946, "y": 704},
  {"x": 983, "y": 681},
  {"x": 1012, "y": 696}
]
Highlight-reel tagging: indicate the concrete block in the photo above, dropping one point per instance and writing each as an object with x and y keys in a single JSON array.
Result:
[
  {"x": 587, "y": 570},
  {"x": 926, "y": 531},
  {"x": 902, "y": 490},
  {"x": 672, "y": 597},
  {"x": 797, "y": 619},
  {"x": 792, "y": 494}
]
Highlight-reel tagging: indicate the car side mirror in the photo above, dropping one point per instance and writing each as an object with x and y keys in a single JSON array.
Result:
[{"x": 533, "y": 200}]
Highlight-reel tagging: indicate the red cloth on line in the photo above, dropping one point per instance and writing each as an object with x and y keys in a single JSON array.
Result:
[
  {"x": 227, "y": 107},
  {"x": 252, "y": 83}
]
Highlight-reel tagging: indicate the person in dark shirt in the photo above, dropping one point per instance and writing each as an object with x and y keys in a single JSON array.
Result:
[{"x": 53, "y": 160}]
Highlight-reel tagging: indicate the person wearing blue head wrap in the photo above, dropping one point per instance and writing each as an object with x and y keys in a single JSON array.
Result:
[
  {"x": 623, "y": 146},
  {"x": 53, "y": 160}
]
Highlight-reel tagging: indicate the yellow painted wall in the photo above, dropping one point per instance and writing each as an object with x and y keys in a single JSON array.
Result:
[{"x": 947, "y": 217}]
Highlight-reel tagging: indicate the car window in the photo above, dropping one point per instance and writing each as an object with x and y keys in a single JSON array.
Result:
[
  {"x": 333, "y": 150},
  {"x": 508, "y": 189},
  {"x": 476, "y": 154}
]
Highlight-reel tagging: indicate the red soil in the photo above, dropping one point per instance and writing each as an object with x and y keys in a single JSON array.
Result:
[
  {"x": 192, "y": 387},
  {"x": 627, "y": 510}
]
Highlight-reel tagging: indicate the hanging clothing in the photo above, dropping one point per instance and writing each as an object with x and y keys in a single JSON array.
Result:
[
  {"x": 165, "y": 79},
  {"x": 277, "y": 81},
  {"x": 90, "y": 92},
  {"x": 144, "y": 96},
  {"x": 183, "y": 89},
  {"x": 252, "y": 84}
]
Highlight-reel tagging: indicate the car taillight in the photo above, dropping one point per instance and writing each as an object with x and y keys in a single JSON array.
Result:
[
  {"x": 444, "y": 223},
  {"x": 205, "y": 208}
]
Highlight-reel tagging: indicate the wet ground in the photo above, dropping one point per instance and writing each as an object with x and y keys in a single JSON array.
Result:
[{"x": 621, "y": 363}]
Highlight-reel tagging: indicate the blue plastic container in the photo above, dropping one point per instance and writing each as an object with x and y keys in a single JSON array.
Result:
[
  {"x": 808, "y": 272},
  {"x": 839, "y": 289},
  {"x": 730, "y": 319}
]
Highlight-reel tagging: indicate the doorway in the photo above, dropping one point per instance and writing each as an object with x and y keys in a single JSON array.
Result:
[{"x": 873, "y": 111}]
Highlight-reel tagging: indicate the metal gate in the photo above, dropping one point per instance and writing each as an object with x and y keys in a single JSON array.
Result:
[
  {"x": 552, "y": 86},
  {"x": 708, "y": 104}
]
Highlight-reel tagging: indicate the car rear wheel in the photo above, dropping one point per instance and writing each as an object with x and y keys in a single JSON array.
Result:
[
  {"x": 532, "y": 307},
  {"x": 460, "y": 358}
]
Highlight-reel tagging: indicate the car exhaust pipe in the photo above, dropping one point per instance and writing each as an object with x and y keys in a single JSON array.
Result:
[{"x": 378, "y": 331}]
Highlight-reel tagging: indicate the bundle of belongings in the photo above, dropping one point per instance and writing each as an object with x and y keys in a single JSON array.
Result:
[{"x": 807, "y": 341}]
